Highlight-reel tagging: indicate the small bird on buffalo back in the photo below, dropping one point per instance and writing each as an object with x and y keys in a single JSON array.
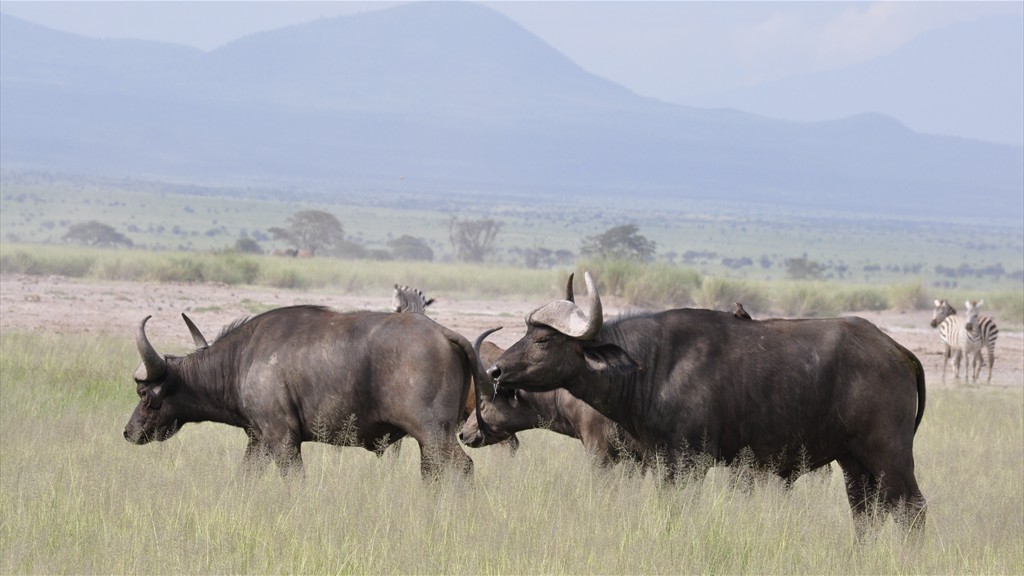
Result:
[{"x": 740, "y": 313}]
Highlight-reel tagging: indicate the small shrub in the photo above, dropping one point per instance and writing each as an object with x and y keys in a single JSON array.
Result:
[
  {"x": 641, "y": 284},
  {"x": 804, "y": 300},
  {"x": 614, "y": 275},
  {"x": 1007, "y": 308},
  {"x": 285, "y": 278},
  {"x": 46, "y": 263},
  {"x": 232, "y": 269},
  {"x": 908, "y": 297},
  {"x": 123, "y": 269},
  {"x": 666, "y": 286},
  {"x": 854, "y": 299},
  {"x": 179, "y": 270},
  {"x": 721, "y": 293}
]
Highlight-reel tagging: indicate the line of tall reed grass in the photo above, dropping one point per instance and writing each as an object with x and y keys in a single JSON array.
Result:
[{"x": 639, "y": 284}]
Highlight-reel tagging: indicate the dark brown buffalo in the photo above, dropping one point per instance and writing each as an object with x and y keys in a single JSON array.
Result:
[
  {"x": 507, "y": 411},
  {"x": 688, "y": 384},
  {"x": 409, "y": 300},
  {"x": 309, "y": 374}
]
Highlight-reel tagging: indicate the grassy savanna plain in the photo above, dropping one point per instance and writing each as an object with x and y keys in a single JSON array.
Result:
[{"x": 76, "y": 498}]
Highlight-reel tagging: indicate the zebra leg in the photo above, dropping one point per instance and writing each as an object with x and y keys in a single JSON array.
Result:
[
  {"x": 991, "y": 359},
  {"x": 945, "y": 361},
  {"x": 957, "y": 357}
]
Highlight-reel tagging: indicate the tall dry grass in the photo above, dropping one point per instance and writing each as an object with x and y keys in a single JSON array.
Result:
[
  {"x": 76, "y": 498},
  {"x": 647, "y": 285}
]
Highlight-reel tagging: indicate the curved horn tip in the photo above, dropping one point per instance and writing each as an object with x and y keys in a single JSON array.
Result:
[
  {"x": 154, "y": 363},
  {"x": 595, "y": 316},
  {"x": 197, "y": 335},
  {"x": 568, "y": 288}
]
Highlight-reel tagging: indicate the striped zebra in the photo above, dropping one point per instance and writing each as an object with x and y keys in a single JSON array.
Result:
[
  {"x": 958, "y": 341},
  {"x": 985, "y": 329},
  {"x": 409, "y": 300}
]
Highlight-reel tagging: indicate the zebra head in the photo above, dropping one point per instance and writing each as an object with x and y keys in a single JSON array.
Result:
[
  {"x": 941, "y": 312},
  {"x": 972, "y": 313}
]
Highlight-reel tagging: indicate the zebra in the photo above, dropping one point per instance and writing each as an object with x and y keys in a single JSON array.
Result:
[
  {"x": 985, "y": 329},
  {"x": 409, "y": 300},
  {"x": 957, "y": 339}
]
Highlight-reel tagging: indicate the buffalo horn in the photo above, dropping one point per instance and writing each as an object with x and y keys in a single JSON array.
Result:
[
  {"x": 487, "y": 386},
  {"x": 153, "y": 364},
  {"x": 568, "y": 318},
  {"x": 568, "y": 289},
  {"x": 484, "y": 384},
  {"x": 197, "y": 336}
]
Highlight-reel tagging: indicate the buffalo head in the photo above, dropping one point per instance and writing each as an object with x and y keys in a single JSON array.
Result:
[
  {"x": 156, "y": 382},
  {"x": 502, "y": 417},
  {"x": 561, "y": 347}
]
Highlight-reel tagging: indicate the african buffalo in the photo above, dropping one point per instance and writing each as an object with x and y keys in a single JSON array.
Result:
[
  {"x": 307, "y": 373},
  {"x": 693, "y": 384},
  {"x": 507, "y": 411},
  {"x": 408, "y": 300}
]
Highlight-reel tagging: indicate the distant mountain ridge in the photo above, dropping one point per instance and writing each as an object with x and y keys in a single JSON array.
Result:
[
  {"x": 974, "y": 69},
  {"x": 451, "y": 95}
]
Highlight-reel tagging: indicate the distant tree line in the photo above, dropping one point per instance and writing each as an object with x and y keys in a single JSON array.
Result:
[{"x": 316, "y": 232}]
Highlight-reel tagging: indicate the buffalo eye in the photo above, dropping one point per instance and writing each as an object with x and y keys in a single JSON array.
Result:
[{"x": 152, "y": 400}]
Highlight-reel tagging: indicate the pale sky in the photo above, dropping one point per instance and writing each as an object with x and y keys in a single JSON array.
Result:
[{"x": 667, "y": 50}]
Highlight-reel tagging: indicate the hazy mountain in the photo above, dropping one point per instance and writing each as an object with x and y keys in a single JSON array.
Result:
[
  {"x": 965, "y": 79},
  {"x": 458, "y": 97}
]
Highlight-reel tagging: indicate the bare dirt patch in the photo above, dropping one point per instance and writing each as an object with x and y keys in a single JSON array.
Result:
[{"x": 68, "y": 306}]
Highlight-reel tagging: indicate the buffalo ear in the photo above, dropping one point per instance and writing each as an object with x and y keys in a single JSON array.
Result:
[{"x": 603, "y": 357}]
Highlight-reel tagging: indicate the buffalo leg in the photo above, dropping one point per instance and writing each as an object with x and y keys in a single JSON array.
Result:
[
  {"x": 884, "y": 482},
  {"x": 285, "y": 449},
  {"x": 862, "y": 494},
  {"x": 257, "y": 455},
  {"x": 513, "y": 443},
  {"x": 440, "y": 450},
  {"x": 901, "y": 495}
]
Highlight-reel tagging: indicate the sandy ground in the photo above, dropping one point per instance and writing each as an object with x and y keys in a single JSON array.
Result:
[{"x": 68, "y": 306}]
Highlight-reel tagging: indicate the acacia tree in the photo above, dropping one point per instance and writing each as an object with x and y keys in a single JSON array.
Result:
[
  {"x": 619, "y": 243},
  {"x": 407, "y": 247},
  {"x": 804, "y": 269},
  {"x": 310, "y": 230},
  {"x": 472, "y": 240},
  {"x": 97, "y": 234}
]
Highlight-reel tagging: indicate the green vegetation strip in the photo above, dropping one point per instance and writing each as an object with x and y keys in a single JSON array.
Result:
[{"x": 649, "y": 285}]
